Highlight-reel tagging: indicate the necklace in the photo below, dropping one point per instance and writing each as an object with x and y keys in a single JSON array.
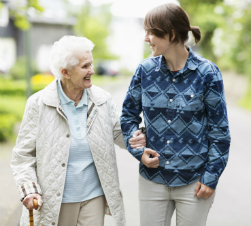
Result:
[{"x": 75, "y": 104}]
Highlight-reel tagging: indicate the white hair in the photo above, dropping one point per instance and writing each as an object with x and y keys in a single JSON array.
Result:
[{"x": 65, "y": 53}]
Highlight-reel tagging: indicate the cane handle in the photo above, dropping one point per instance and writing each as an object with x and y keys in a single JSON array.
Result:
[{"x": 35, "y": 205}]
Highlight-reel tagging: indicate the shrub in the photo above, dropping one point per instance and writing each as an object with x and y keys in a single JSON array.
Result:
[
  {"x": 7, "y": 123},
  {"x": 12, "y": 87},
  {"x": 13, "y": 105},
  {"x": 18, "y": 71}
]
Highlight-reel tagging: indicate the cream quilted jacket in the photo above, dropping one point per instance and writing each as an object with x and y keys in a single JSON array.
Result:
[{"x": 40, "y": 157}]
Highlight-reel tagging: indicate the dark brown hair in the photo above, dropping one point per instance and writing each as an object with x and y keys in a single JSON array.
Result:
[{"x": 169, "y": 18}]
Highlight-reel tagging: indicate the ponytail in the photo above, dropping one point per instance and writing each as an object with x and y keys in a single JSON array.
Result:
[{"x": 196, "y": 33}]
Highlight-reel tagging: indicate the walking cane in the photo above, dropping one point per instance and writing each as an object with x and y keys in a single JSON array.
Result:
[{"x": 31, "y": 212}]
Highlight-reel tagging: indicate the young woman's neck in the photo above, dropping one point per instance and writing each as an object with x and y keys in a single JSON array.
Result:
[{"x": 176, "y": 57}]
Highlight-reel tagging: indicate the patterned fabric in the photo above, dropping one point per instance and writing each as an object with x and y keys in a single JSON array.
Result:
[
  {"x": 82, "y": 181},
  {"x": 42, "y": 150},
  {"x": 28, "y": 188},
  {"x": 185, "y": 117}
]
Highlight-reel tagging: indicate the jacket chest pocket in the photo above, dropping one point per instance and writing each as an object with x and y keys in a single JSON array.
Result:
[
  {"x": 187, "y": 102},
  {"x": 194, "y": 102}
]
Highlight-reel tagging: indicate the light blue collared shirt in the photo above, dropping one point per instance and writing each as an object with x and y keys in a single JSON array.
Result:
[{"x": 82, "y": 182}]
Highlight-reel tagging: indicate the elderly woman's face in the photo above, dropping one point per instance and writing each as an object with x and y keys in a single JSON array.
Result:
[{"x": 80, "y": 74}]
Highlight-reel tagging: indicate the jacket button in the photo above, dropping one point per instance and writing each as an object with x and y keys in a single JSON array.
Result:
[
  {"x": 68, "y": 135},
  {"x": 53, "y": 223},
  {"x": 63, "y": 165}
]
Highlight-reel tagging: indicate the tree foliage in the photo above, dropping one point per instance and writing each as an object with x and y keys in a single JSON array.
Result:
[
  {"x": 204, "y": 15},
  {"x": 19, "y": 12},
  {"x": 93, "y": 23}
]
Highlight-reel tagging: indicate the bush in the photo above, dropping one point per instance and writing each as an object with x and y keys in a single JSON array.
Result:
[
  {"x": 18, "y": 71},
  {"x": 18, "y": 87},
  {"x": 11, "y": 111},
  {"x": 13, "y": 105},
  {"x": 7, "y": 123},
  {"x": 12, "y": 87}
]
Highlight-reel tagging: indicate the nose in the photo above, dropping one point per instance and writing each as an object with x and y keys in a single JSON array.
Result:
[
  {"x": 146, "y": 38},
  {"x": 91, "y": 71}
]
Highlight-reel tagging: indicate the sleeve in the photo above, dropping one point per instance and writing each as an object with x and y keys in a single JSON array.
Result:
[
  {"x": 132, "y": 108},
  {"x": 115, "y": 115},
  {"x": 23, "y": 161},
  {"x": 218, "y": 128}
]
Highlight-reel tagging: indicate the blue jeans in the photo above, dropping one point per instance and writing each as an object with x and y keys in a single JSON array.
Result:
[{"x": 158, "y": 202}]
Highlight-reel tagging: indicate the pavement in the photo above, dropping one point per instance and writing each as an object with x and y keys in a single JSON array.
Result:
[{"x": 232, "y": 203}]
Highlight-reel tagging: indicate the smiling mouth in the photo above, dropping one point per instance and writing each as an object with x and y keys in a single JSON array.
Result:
[
  {"x": 151, "y": 45},
  {"x": 87, "y": 78}
]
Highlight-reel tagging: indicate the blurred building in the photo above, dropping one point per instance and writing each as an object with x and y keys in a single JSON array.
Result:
[{"x": 46, "y": 28}]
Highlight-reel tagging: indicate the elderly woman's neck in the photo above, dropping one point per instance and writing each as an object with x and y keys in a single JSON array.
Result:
[{"x": 72, "y": 92}]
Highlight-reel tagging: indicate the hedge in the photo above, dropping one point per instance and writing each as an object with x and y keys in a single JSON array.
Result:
[{"x": 7, "y": 123}]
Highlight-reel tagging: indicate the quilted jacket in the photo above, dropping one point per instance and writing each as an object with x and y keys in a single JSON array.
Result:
[{"x": 39, "y": 159}]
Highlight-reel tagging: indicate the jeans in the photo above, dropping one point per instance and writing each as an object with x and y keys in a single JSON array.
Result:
[{"x": 158, "y": 202}]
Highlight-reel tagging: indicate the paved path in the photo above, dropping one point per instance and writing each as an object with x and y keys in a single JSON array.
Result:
[{"x": 232, "y": 204}]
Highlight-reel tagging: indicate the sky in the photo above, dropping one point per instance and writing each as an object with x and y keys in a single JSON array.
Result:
[{"x": 127, "y": 8}]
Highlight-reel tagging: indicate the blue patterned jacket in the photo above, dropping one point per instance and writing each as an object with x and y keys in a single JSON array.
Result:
[{"x": 185, "y": 118}]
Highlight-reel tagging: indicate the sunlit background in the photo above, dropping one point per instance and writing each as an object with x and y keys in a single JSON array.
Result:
[{"x": 28, "y": 29}]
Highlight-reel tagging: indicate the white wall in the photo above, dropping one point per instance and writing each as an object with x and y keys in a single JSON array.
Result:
[{"x": 7, "y": 53}]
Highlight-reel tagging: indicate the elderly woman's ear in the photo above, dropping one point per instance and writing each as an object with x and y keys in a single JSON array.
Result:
[{"x": 65, "y": 73}]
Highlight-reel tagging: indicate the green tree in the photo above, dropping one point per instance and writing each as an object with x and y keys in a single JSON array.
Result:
[
  {"x": 241, "y": 50},
  {"x": 18, "y": 11},
  {"x": 205, "y": 15},
  {"x": 93, "y": 23}
]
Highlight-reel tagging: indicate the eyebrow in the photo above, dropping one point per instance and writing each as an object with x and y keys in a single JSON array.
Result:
[{"x": 90, "y": 62}]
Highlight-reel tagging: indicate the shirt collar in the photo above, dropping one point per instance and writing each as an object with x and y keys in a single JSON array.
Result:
[
  {"x": 191, "y": 63},
  {"x": 65, "y": 100}
]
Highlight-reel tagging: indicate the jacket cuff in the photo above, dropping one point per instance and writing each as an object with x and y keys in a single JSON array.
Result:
[
  {"x": 138, "y": 153},
  {"x": 209, "y": 179},
  {"x": 28, "y": 188}
]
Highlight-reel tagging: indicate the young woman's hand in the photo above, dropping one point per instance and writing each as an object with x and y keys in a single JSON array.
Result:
[
  {"x": 150, "y": 158},
  {"x": 203, "y": 191},
  {"x": 138, "y": 140}
]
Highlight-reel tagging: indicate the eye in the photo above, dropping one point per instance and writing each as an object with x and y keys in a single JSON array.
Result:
[{"x": 86, "y": 66}]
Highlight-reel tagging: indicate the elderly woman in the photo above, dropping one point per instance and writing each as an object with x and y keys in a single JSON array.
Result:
[{"x": 65, "y": 155}]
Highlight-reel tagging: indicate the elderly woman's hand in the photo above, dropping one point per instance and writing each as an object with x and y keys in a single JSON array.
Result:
[
  {"x": 28, "y": 201},
  {"x": 138, "y": 140}
]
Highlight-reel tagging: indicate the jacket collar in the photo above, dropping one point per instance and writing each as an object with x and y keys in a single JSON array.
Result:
[
  {"x": 96, "y": 95},
  {"x": 51, "y": 97}
]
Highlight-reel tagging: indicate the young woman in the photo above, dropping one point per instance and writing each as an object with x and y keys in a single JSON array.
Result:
[{"x": 182, "y": 98}]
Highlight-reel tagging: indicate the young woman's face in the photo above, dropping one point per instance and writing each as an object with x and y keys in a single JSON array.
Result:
[{"x": 159, "y": 46}]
